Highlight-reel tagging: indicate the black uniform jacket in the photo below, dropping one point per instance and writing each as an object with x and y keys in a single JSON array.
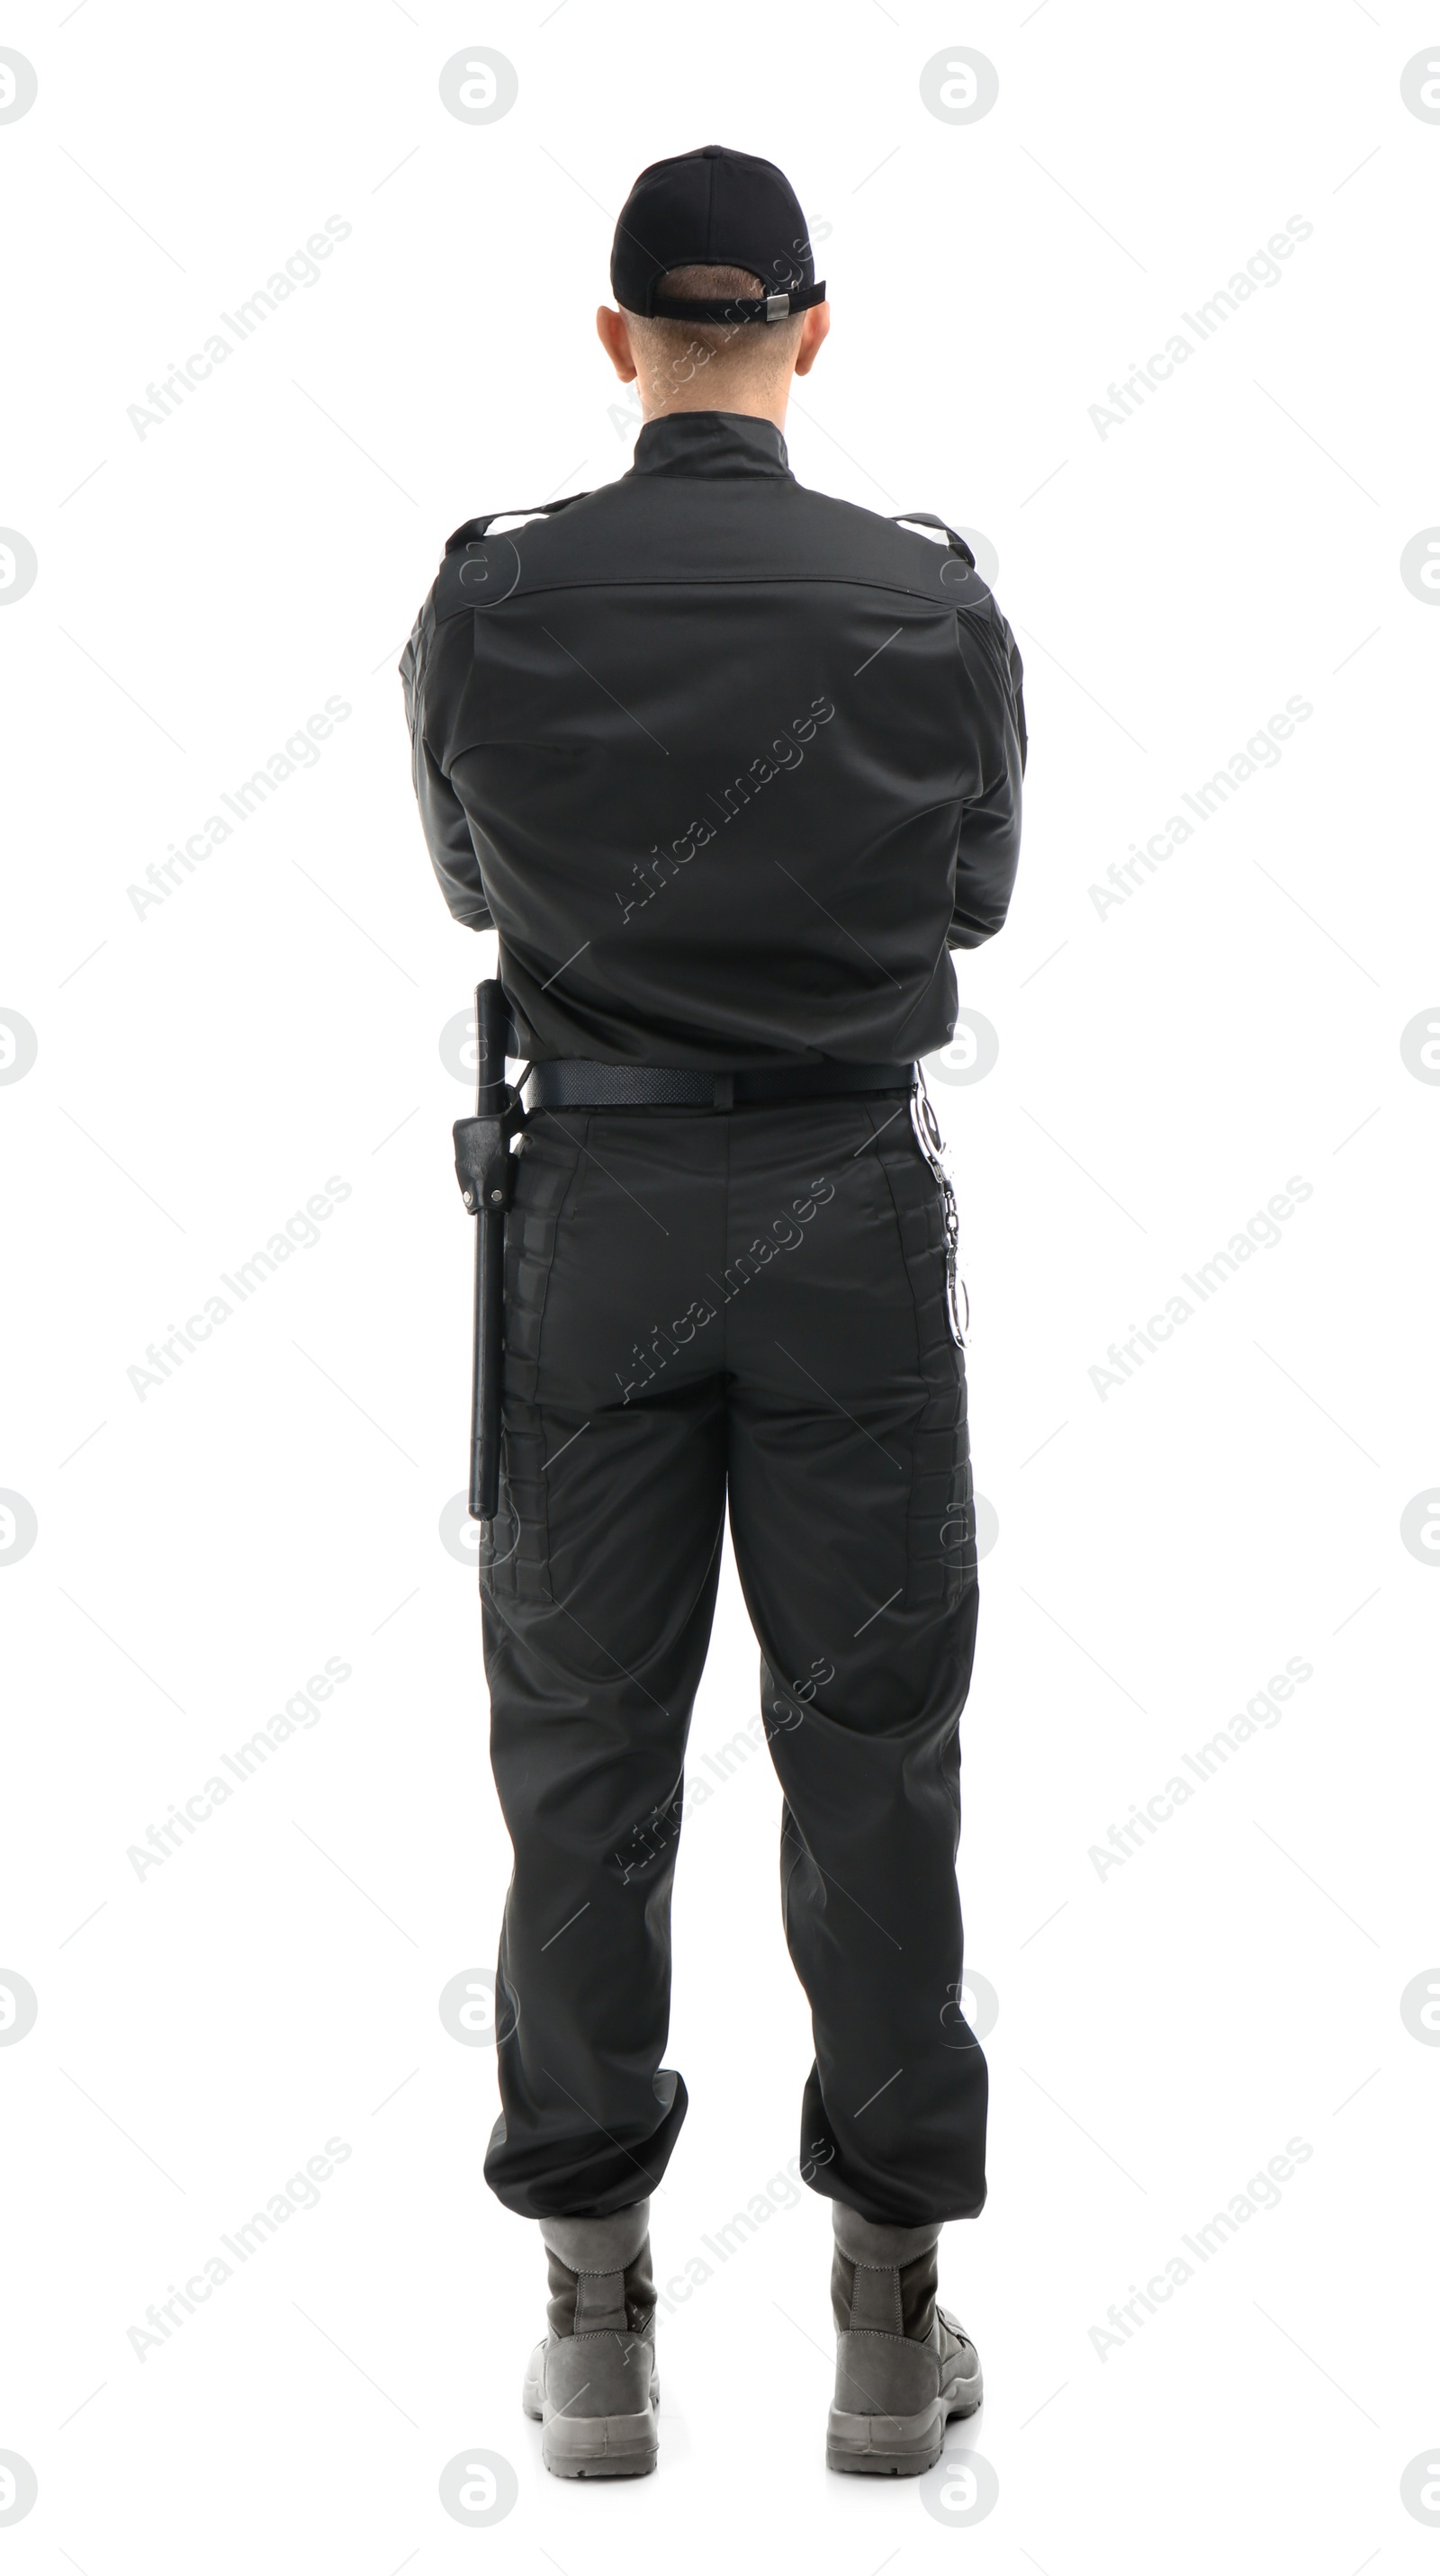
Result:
[{"x": 730, "y": 765}]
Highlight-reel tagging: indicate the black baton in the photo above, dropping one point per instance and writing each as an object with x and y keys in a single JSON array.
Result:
[{"x": 486, "y": 1173}]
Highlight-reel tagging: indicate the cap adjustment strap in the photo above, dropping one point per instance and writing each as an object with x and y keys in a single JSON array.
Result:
[{"x": 736, "y": 308}]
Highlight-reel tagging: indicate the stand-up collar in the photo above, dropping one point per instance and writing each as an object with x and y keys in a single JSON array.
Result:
[{"x": 710, "y": 443}]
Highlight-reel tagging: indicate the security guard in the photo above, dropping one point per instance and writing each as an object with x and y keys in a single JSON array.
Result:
[{"x": 731, "y": 767}]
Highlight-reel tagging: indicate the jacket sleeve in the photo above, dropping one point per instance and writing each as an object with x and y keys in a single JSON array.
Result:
[
  {"x": 442, "y": 816},
  {"x": 989, "y": 850}
]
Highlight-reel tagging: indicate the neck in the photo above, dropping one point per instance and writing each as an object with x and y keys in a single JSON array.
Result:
[{"x": 747, "y": 400}]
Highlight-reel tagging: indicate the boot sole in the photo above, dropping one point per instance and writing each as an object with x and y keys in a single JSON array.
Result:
[
  {"x": 595, "y": 2446},
  {"x": 895, "y": 2446},
  {"x": 600, "y": 2446}
]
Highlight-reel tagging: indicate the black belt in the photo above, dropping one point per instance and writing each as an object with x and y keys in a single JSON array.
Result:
[{"x": 574, "y": 1085}]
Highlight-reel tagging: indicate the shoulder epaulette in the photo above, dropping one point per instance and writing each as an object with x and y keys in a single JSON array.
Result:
[
  {"x": 480, "y": 570},
  {"x": 956, "y": 571},
  {"x": 474, "y": 529}
]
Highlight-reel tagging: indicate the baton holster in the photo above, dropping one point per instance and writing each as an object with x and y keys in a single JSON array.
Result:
[
  {"x": 484, "y": 1165},
  {"x": 485, "y": 1170}
]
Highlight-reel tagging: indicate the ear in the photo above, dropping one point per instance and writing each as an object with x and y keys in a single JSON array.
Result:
[
  {"x": 615, "y": 341},
  {"x": 813, "y": 331}
]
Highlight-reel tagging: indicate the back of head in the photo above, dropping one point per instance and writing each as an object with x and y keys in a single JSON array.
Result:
[{"x": 687, "y": 361}]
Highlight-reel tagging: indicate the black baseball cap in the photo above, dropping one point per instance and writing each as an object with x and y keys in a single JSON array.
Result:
[{"x": 714, "y": 209}]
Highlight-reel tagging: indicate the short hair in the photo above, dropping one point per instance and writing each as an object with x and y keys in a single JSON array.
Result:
[{"x": 662, "y": 344}]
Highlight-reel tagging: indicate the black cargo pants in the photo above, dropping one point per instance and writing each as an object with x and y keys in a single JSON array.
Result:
[{"x": 750, "y": 1301}]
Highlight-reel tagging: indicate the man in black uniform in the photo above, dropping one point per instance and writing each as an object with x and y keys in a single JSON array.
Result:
[{"x": 731, "y": 766}]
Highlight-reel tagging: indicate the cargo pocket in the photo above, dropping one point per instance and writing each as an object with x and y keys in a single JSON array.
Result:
[
  {"x": 940, "y": 1528},
  {"x": 515, "y": 1565}
]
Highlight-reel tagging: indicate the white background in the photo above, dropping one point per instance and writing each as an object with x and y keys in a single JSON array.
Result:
[{"x": 1163, "y": 1070}]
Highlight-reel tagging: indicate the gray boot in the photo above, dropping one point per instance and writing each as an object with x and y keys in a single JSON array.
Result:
[
  {"x": 902, "y": 2367},
  {"x": 592, "y": 2382}
]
